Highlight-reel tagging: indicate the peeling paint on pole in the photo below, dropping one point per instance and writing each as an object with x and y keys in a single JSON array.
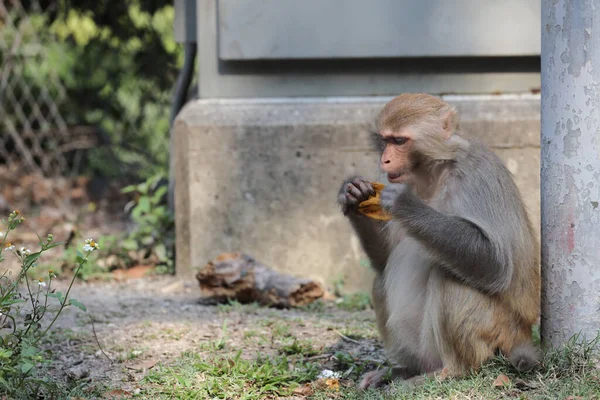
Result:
[{"x": 570, "y": 176}]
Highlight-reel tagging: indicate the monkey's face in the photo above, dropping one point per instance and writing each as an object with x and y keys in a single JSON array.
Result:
[{"x": 396, "y": 156}]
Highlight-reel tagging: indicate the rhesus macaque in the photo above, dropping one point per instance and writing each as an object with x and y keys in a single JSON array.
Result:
[{"x": 457, "y": 266}]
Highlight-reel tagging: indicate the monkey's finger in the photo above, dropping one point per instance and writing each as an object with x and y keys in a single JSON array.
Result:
[
  {"x": 356, "y": 192},
  {"x": 350, "y": 199},
  {"x": 366, "y": 188},
  {"x": 344, "y": 198},
  {"x": 359, "y": 181}
]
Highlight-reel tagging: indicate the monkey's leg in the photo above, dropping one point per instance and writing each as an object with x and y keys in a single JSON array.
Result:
[
  {"x": 380, "y": 306},
  {"x": 471, "y": 326}
]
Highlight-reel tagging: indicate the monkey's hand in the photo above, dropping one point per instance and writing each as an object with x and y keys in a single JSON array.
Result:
[
  {"x": 353, "y": 192},
  {"x": 396, "y": 198}
]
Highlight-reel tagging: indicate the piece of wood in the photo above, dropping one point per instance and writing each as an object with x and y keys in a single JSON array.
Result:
[{"x": 237, "y": 276}]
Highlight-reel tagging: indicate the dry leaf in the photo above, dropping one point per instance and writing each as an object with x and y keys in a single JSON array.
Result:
[
  {"x": 333, "y": 383},
  {"x": 501, "y": 381},
  {"x": 143, "y": 365},
  {"x": 135, "y": 272},
  {"x": 305, "y": 390},
  {"x": 117, "y": 394},
  {"x": 525, "y": 385}
]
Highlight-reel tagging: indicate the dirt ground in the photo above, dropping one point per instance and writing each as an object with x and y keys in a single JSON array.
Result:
[{"x": 144, "y": 322}]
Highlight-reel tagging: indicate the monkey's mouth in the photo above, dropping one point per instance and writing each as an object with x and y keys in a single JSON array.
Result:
[{"x": 396, "y": 176}]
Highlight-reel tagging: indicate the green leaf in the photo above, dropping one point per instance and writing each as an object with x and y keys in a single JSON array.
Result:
[
  {"x": 152, "y": 219},
  {"x": 129, "y": 189},
  {"x": 53, "y": 245},
  {"x": 5, "y": 353},
  {"x": 129, "y": 244},
  {"x": 81, "y": 260},
  {"x": 161, "y": 251},
  {"x": 144, "y": 187},
  {"x": 57, "y": 295},
  {"x": 144, "y": 204},
  {"x": 78, "y": 305},
  {"x": 26, "y": 367},
  {"x": 160, "y": 192},
  {"x": 147, "y": 240},
  {"x": 31, "y": 259},
  {"x": 8, "y": 302},
  {"x": 29, "y": 351}
]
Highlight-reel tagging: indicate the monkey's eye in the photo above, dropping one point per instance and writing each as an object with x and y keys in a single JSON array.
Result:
[
  {"x": 399, "y": 140},
  {"x": 377, "y": 141}
]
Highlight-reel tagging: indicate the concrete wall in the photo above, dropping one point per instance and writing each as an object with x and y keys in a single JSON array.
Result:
[{"x": 261, "y": 176}]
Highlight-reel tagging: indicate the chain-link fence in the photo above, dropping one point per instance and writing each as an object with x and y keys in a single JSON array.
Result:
[{"x": 33, "y": 134}]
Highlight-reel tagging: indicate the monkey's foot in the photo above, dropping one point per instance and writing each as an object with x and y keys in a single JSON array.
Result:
[
  {"x": 440, "y": 374},
  {"x": 383, "y": 376},
  {"x": 373, "y": 379}
]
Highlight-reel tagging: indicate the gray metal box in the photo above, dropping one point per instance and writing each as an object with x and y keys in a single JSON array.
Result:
[{"x": 293, "y": 29}]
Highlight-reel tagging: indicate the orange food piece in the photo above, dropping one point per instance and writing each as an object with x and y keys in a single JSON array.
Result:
[{"x": 372, "y": 206}]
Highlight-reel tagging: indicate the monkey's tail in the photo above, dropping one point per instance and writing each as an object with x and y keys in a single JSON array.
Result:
[{"x": 524, "y": 356}]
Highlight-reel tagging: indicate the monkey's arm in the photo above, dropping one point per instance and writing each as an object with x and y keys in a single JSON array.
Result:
[
  {"x": 465, "y": 247},
  {"x": 369, "y": 231},
  {"x": 370, "y": 234}
]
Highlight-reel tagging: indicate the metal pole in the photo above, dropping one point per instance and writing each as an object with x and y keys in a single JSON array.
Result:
[{"x": 570, "y": 174}]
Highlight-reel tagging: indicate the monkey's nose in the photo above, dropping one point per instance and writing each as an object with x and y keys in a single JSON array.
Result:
[{"x": 386, "y": 161}]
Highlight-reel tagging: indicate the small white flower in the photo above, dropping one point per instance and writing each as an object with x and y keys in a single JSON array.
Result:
[
  {"x": 41, "y": 282},
  {"x": 25, "y": 251},
  {"x": 1, "y": 234},
  {"x": 90, "y": 245},
  {"x": 9, "y": 247},
  {"x": 327, "y": 373}
]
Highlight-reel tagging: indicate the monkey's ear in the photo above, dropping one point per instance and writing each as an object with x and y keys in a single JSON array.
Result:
[{"x": 448, "y": 123}]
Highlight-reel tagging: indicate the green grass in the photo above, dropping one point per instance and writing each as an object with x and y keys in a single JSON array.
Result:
[
  {"x": 570, "y": 371},
  {"x": 299, "y": 347},
  {"x": 364, "y": 332},
  {"x": 235, "y": 306},
  {"x": 573, "y": 370},
  {"x": 196, "y": 377},
  {"x": 318, "y": 306},
  {"x": 354, "y": 302}
]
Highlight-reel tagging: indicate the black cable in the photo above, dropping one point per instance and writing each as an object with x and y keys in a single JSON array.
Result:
[{"x": 179, "y": 98}]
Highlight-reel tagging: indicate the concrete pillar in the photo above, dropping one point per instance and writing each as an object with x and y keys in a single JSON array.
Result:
[{"x": 570, "y": 169}]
